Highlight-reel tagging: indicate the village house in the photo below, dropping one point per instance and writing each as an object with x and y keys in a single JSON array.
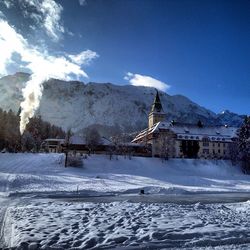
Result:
[
  {"x": 78, "y": 145},
  {"x": 174, "y": 140},
  {"x": 52, "y": 145}
]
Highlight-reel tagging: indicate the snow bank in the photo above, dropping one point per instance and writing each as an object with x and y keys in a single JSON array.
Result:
[{"x": 39, "y": 173}]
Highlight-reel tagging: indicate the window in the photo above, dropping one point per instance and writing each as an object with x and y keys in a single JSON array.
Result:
[
  {"x": 205, "y": 141},
  {"x": 219, "y": 151},
  {"x": 218, "y": 144},
  {"x": 205, "y": 151}
]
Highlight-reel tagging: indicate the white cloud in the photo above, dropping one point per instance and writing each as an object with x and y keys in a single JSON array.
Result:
[
  {"x": 1, "y": 14},
  {"x": 42, "y": 65},
  {"x": 52, "y": 15},
  {"x": 12, "y": 42},
  {"x": 147, "y": 81},
  {"x": 8, "y": 3},
  {"x": 84, "y": 57},
  {"x": 45, "y": 13},
  {"x": 82, "y": 2}
]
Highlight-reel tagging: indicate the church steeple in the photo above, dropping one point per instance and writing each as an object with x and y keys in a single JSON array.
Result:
[
  {"x": 157, "y": 107},
  {"x": 156, "y": 114}
]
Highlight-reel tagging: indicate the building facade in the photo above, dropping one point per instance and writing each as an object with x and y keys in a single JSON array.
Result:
[
  {"x": 181, "y": 140},
  {"x": 52, "y": 145}
]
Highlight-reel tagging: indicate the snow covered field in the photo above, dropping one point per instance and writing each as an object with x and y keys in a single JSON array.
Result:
[
  {"x": 36, "y": 208},
  {"x": 39, "y": 173}
]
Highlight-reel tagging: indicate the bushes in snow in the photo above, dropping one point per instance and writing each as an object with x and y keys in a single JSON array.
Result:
[{"x": 74, "y": 161}]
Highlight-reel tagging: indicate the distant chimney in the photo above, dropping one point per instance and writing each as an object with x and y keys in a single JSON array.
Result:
[
  {"x": 173, "y": 122},
  {"x": 199, "y": 124}
]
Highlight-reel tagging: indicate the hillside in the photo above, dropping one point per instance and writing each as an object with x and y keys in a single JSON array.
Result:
[{"x": 109, "y": 107}]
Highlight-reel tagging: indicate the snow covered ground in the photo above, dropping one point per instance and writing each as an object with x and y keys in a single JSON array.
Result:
[
  {"x": 36, "y": 205},
  {"x": 45, "y": 173},
  {"x": 123, "y": 224}
]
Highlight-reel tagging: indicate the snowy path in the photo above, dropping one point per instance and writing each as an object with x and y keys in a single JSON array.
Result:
[
  {"x": 5, "y": 203},
  {"x": 192, "y": 198},
  {"x": 3, "y": 209}
]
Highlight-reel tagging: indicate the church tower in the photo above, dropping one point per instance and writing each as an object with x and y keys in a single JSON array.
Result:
[{"x": 156, "y": 114}]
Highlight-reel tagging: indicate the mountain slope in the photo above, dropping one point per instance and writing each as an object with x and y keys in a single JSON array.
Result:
[{"x": 110, "y": 107}]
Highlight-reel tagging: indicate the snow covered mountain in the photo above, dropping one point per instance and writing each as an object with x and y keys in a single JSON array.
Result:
[
  {"x": 110, "y": 108},
  {"x": 227, "y": 117}
]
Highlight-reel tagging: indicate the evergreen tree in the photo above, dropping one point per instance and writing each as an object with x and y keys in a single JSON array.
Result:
[
  {"x": 244, "y": 144},
  {"x": 36, "y": 131},
  {"x": 92, "y": 138}
]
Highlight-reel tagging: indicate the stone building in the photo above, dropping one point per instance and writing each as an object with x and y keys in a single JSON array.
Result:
[{"x": 173, "y": 139}]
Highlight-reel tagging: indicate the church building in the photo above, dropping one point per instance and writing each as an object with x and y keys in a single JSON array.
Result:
[{"x": 183, "y": 140}]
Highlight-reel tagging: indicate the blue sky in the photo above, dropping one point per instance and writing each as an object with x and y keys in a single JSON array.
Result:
[{"x": 200, "y": 49}]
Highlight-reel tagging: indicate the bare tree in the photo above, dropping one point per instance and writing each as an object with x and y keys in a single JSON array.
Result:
[
  {"x": 67, "y": 144},
  {"x": 93, "y": 138},
  {"x": 167, "y": 148}
]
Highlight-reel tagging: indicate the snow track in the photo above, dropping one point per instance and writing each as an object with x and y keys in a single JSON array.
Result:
[
  {"x": 4, "y": 204},
  {"x": 135, "y": 225},
  {"x": 2, "y": 224}
]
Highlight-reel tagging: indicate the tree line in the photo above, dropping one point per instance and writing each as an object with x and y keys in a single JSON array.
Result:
[{"x": 36, "y": 131}]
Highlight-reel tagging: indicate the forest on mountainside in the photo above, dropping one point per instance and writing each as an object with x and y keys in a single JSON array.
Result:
[{"x": 36, "y": 131}]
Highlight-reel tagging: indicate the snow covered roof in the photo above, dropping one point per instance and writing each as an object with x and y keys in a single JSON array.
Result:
[
  {"x": 192, "y": 131},
  {"x": 130, "y": 144},
  {"x": 213, "y": 133},
  {"x": 77, "y": 140},
  {"x": 54, "y": 140},
  {"x": 105, "y": 141},
  {"x": 144, "y": 133},
  {"x": 80, "y": 140}
]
